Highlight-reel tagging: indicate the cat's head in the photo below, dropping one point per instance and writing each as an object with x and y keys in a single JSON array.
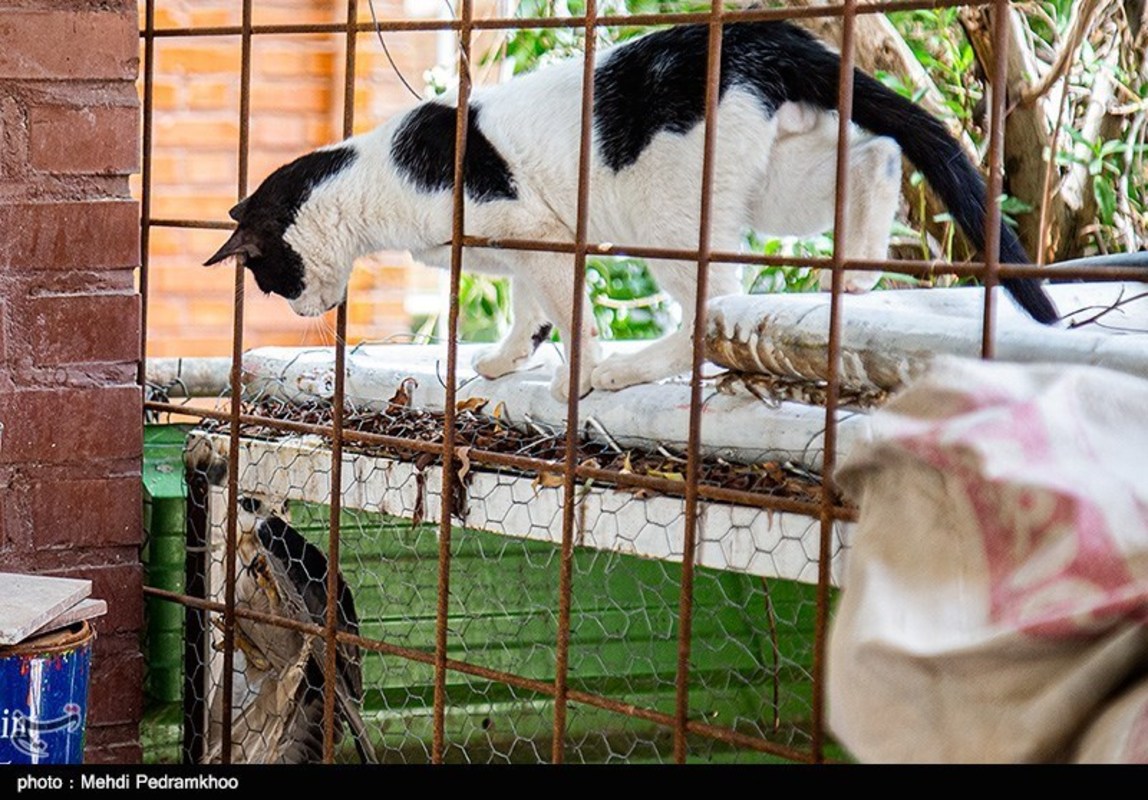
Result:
[{"x": 287, "y": 233}]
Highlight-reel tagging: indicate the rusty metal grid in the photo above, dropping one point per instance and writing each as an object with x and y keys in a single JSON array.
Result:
[{"x": 679, "y": 722}]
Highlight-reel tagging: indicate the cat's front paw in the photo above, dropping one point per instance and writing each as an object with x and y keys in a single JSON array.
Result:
[
  {"x": 498, "y": 361},
  {"x": 616, "y": 372},
  {"x": 560, "y": 386}
]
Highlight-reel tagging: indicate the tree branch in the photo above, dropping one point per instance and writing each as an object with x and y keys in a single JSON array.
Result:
[{"x": 1084, "y": 16}]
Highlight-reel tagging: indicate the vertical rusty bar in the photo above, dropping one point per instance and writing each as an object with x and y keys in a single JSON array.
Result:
[
  {"x": 448, "y": 455},
  {"x": 145, "y": 179},
  {"x": 829, "y": 460},
  {"x": 236, "y": 383},
  {"x": 331, "y": 623},
  {"x": 997, "y": 112},
  {"x": 574, "y": 358},
  {"x": 693, "y": 465}
]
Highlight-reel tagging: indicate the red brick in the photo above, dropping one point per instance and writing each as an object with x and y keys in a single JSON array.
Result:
[
  {"x": 208, "y": 17},
  {"x": 165, "y": 17},
  {"x": 109, "y": 507},
  {"x": 291, "y": 96},
  {"x": 86, "y": 328},
  {"x": 199, "y": 58},
  {"x": 63, "y": 44},
  {"x": 85, "y": 140},
  {"x": 164, "y": 97},
  {"x": 279, "y": 58},
  {"x": 3, "y": 327},
  {"x": 193, "y": 132},
  {"x": 279, "y": 130},
  {"x": 57, "y": 426},
  {"x": 193, "y": 205},
  {"x": 121, "y": 586},
  {"x": 103, "y": 234},
  {"x": 180, "y": 344},
  {"x": 209, "y": 94},
  {"x": 117, "y": 744},
  {"x": 4, "y": 521},
  {"x": 115, "y": 694}
]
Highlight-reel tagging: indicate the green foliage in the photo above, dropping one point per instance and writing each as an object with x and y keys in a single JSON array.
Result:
[
  {"x": 529, "y": 48},
  {"x": 1115, "y": 166},
  {"x": 768, "y": 280},
  {"x": 625, "y": 299},
  {"x": 937, "y": 42},
  {"x": 483, "y": 308}
]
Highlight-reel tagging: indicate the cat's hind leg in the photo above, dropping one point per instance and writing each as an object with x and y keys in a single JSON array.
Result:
[
  {"x": 873, "y": 193},
  {"x": 798, "y": 195},
  {"x": 529, "y": 327}
]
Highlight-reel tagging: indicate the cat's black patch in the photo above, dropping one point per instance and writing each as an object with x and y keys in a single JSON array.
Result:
[
  {"x": 267, "y": 214},
  {"x": 541, "y": 335},
  {"x": 658, "y": 82},
  {"x": 423, "y": 151}
]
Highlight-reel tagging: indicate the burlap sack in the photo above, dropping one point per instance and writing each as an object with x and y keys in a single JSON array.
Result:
[{"x": 996, "y": 590}]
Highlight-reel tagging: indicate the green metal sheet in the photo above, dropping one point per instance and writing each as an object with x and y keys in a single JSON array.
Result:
[{"x": 751, "y": 647}]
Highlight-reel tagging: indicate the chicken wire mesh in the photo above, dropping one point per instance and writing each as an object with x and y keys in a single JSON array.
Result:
[
  {"x": 754, "y": 602},
  {"x": 510, "y": 590}
]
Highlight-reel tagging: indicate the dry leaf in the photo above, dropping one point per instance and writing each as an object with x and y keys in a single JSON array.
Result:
[
  {"x": 402, "y": 396},
  {"x": 548, "y": 480},
  {"x": 473, "y": 404},
  {"x": 670, "y": 476},
  {"x": 463, "y": 454}
]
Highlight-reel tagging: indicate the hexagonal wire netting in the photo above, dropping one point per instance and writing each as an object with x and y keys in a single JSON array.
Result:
[
  {"x": 508, "y": 590},
  {"x": 753, "y": 600}
]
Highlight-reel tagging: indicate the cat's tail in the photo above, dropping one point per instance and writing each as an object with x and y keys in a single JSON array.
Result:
[{"x": 927, "y": 143}]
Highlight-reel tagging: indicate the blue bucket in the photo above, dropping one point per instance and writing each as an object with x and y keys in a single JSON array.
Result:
[{"x": 44, "y": 697}]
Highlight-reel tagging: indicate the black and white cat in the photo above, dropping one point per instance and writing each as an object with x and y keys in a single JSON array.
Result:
[{"x": 300, "y": 231}]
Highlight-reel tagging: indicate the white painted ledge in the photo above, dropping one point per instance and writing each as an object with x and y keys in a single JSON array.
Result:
[
  {"x": 889, "y": 337},
  {"x": 736, "y": 538},
  {"x": 738, "y": 427}
]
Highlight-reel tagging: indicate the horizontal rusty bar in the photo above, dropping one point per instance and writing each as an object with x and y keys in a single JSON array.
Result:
[
  {"x": 731, "y": 736},
  {"x": 1085, "y": 270},
  {"x": 717, "y": 494},
  {"x": 914, "y": 267},
  {"x": 577, "y": 22},
  {"x": 975, "y": 269}
]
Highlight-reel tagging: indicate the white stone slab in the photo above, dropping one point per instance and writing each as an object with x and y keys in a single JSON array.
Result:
[
  {"x": 85, "y": 609},
  {"x": 28, "y": 602}
]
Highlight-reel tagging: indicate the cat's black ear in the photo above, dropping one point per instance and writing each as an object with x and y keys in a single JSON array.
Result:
[
  {"x": 242, "y": 243},
  {"x": 237, "y": 210}
]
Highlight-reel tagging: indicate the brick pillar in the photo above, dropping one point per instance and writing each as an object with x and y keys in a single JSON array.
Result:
[{"x": 69, "y": 328}]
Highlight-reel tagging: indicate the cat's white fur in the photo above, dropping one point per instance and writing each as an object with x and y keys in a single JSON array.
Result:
[{"x": 773, "y": 174}]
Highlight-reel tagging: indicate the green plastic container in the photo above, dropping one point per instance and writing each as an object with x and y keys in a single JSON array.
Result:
[{"x": 165, "y": 502}]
